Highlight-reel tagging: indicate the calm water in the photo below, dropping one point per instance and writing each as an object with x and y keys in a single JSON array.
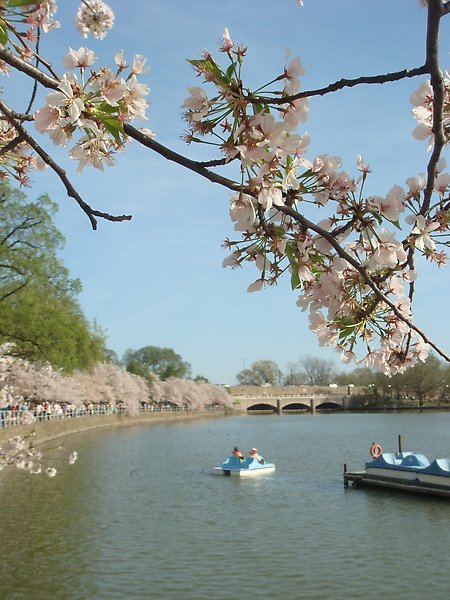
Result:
[{"x": 139, "y": 516}]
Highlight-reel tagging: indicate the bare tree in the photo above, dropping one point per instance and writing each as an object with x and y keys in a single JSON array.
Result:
[{"x": 318, "y": 370}]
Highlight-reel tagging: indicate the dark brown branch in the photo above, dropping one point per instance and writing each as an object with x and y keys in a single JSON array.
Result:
[
  {"x": 11, "y": 145},
  {"x": 71, "y": 191},
  {"x": 220, "y": 162},
  {"x": 341, "y": 84},
  {"x": 435, "y": 13},
  {"x": 35, "y": 83},
  {"x": 17, "y": 63},
  {"x": 192, "y": 165},
  {"x": 14, "y": 291},
  {"x": 20, "y": 116}
]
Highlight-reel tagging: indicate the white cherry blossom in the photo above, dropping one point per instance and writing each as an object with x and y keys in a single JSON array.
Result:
[
  {"x": 94, "y": 17},
  {"x": 422, "y": 230},
  {"x": 81, "y": 58}
]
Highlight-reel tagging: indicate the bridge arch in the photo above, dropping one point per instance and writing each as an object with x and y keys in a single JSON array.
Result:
[
  {"x": 262, "y": 407},
  {"x": 293, "y": 405},
  {"x": 329, "y": 405}
]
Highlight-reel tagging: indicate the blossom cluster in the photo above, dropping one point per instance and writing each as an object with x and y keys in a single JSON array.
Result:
[
  {"x": 94, "y": 17},
  {"x": 19, "y": 453},
  {"x": 422, "y": 100},
  {"x": 353, "y": 274},
  {"x": 96, "y": 106},
  {"x": 17, "y": 161}
]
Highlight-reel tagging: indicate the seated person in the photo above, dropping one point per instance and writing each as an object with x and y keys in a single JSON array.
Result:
[
  {"x": 238, "y": 453},
  {"x": 253, "y": 453}
]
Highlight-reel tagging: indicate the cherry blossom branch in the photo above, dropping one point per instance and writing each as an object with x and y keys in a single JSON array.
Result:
[
  {"x": 232, "y": 185},
  {"x": 61, "y": 173},
  {"x": 213, "y": 177},
  {"x": 105, "y": 129},
  {"x": 306, "y": 223},
  {"x": 129, "y": 130}
]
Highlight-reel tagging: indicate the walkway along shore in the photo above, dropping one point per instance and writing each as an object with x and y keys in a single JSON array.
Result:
[{"x": 44, "y": 431}]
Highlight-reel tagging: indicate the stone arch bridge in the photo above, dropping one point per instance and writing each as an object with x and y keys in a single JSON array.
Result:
[{"x": 285, "y": 400}]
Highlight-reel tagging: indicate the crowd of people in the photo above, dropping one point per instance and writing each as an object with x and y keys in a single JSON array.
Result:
[{"x": 26, "y": 412}]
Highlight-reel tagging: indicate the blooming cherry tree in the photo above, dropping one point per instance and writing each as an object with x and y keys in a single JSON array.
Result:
[{"x": 354, "y": 269}]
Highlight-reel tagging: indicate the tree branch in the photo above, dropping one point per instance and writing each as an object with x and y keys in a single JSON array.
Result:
[
  {"x": 61, "y": 173},
  {"x": 341, "y": 84},
  {"x": 435, "y": 13},
  {"x": 192, "y": 165},
  {"x": 17, "y": 63}
]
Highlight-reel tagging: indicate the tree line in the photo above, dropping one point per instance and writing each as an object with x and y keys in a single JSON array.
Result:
[
  {"x": 429, "y": 379},
  {"x": 41, "y": 319},
  {"x": 40, "y": 312}
]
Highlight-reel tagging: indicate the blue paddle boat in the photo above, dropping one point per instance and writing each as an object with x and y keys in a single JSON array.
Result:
[
  {"x": 239, "y": 466},
  {"x": 405, "y": 471}
]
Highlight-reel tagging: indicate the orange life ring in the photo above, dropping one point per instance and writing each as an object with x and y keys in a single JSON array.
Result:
[{"x": 376, "y": 450}]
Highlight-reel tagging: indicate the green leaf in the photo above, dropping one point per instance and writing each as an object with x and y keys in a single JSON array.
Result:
[
  {"x": 279, "y": 231},
  {"x": 208, "y": 65},
  {"x": 295, "y": 279},
  {"x": 3, "y": 34},
  {"x": 258, "y": 108},
  {"x": 107, "y": 108},
  {"x": 112, "y": 125},
  {"x": 230, "y": 72},
  {"x": 14, "y": 3}
]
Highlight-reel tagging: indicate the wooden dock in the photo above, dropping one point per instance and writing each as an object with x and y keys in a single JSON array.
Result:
[{"x": 362, "y": 479}]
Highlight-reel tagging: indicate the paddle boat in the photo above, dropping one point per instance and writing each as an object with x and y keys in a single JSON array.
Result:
[
  {"x": 402, "y": 465},
  {"x": 237, "y": 465},
  {"x": 405, "y": 471}
]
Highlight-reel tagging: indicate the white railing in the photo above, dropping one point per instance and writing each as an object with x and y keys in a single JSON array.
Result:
[{"x": 12, "y": 417}]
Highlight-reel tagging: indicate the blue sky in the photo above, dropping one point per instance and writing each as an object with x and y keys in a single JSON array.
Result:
[{"x": 158, "y": 279}]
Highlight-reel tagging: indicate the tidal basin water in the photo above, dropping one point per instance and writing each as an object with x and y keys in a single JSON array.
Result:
[{"x": 140, "y": 516}]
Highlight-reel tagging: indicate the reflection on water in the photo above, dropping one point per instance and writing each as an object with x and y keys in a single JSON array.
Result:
[{"x": 140, "y": 516}]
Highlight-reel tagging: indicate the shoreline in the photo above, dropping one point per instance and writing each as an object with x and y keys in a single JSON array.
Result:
[{"x": 44, "y": 431}]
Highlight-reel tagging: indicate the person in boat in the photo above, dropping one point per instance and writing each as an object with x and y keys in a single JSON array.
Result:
[
  {"x": 253, "y": 453},
  {"x": 238, "y": 453}
]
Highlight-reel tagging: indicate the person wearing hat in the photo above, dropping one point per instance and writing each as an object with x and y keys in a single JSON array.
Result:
[{"x": 253, "y": 453}]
